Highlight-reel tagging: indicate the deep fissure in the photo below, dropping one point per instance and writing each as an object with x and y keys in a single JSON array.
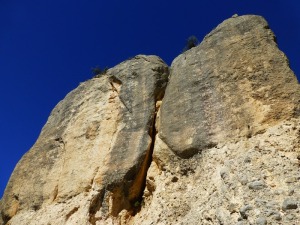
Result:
[
  {"x": 138, "y": 202},
  {"x": 152, "y": 132},
  {"x": 137, "y": 188}
]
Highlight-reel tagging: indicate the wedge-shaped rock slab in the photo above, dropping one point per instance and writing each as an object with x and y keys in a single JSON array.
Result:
[
  {"x": 96, "y": 141},
  {"x": 235, "y": 84}
]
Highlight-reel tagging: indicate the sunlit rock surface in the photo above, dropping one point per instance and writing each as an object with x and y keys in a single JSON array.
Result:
[
  {"x": 220, "y": 147},
  {"x": 93, "y": 151},
  {"x": 235, "y": 84}
]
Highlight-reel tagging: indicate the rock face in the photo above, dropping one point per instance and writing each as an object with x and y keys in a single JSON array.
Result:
[
  {"x": 235, "y": 84},
  {"x": 94, "y": 150},
  {"x": 239, "y": 182},
  {"x": 223, "y": 147}
]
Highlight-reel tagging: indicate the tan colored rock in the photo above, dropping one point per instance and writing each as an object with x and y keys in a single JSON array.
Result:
[
  {"x": 93, "y": 152},
  {"x": 214, "y": 187},
  {"x": 225, "y": 141},
  {"x": 228, "y": 146},
  {"x": 235, "y": 84}
]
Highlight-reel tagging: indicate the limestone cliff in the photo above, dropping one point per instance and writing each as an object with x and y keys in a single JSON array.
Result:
[
  {"x": 223, "y": 148},
  {"x": 235, "y": 84},
  {"x": 93, "y": 152}
]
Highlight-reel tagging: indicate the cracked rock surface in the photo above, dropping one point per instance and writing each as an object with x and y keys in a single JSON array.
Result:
[
  {"x": 219, "y": 146},
  {"x": 214, "y": 187},
  {"x": 93, "y": 152},
  {"x": 235, "y": 84},
  {"x": 227, "y": 149}
]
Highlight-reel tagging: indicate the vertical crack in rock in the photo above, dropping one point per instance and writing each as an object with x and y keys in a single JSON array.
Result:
[
  {"x": 138, "y": 187},
  {"x": 125, "y": 192},
  {"x": 74, "y": 210},
  {"x": 62, "y": 145},
  {"x": 130, "y": 158},
  {"x": 140, "y": 181},
  {"x": 129, "y": 195},
  {"x": 95, "y": 206}
]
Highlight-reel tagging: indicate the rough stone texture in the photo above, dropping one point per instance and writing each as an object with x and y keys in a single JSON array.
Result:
[
  {"x": 94, "y": 150},
  {"x": 234, "y": 97},
  {"x": 289, "y": 204},
  {"x": 261, "y": 221},
  {"x": 226, "y": 141},
  {"x": 212, "y": 187},
  {"x": 236, "y": 83}
]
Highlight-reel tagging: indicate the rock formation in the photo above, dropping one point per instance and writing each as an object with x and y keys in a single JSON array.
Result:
[
  {"x": 93, "y": 152},
  {"x": 223, "y": 148},
  {"x": 235, "y": 84}
]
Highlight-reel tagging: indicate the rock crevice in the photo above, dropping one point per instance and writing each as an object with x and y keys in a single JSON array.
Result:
[
  {"x": 217, "y": 143},
  {"x": 96, "y": 143}
]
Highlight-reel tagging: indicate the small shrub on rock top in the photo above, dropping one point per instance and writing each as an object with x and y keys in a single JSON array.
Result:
[
  {"x": 191, "y": 42},
  {"x": 97, "y": 71}
]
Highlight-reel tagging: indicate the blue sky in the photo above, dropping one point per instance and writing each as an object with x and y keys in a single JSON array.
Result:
[{"x": 47, "y": 47}]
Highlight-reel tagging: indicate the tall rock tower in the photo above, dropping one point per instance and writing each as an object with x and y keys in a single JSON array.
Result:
[{"x": 213, "y": 140}]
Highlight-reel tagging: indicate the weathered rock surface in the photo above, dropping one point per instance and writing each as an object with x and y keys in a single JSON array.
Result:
[
  {"x": 213, "y": 187},
  {"x": 94, "y": 150},
  {"x": 236, "y": 83},
  {"x": 226, "y": 146},
  {"x": 234, "y": 101}
]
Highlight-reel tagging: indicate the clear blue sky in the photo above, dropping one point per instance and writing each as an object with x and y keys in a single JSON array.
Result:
[{"x": 47, "y": 47}]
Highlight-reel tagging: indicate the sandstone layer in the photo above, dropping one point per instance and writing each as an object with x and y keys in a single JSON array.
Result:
[{"x": 223, "y": 148}]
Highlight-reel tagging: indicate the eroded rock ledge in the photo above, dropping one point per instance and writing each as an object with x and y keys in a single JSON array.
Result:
[{"x": 223, "y": 148}]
